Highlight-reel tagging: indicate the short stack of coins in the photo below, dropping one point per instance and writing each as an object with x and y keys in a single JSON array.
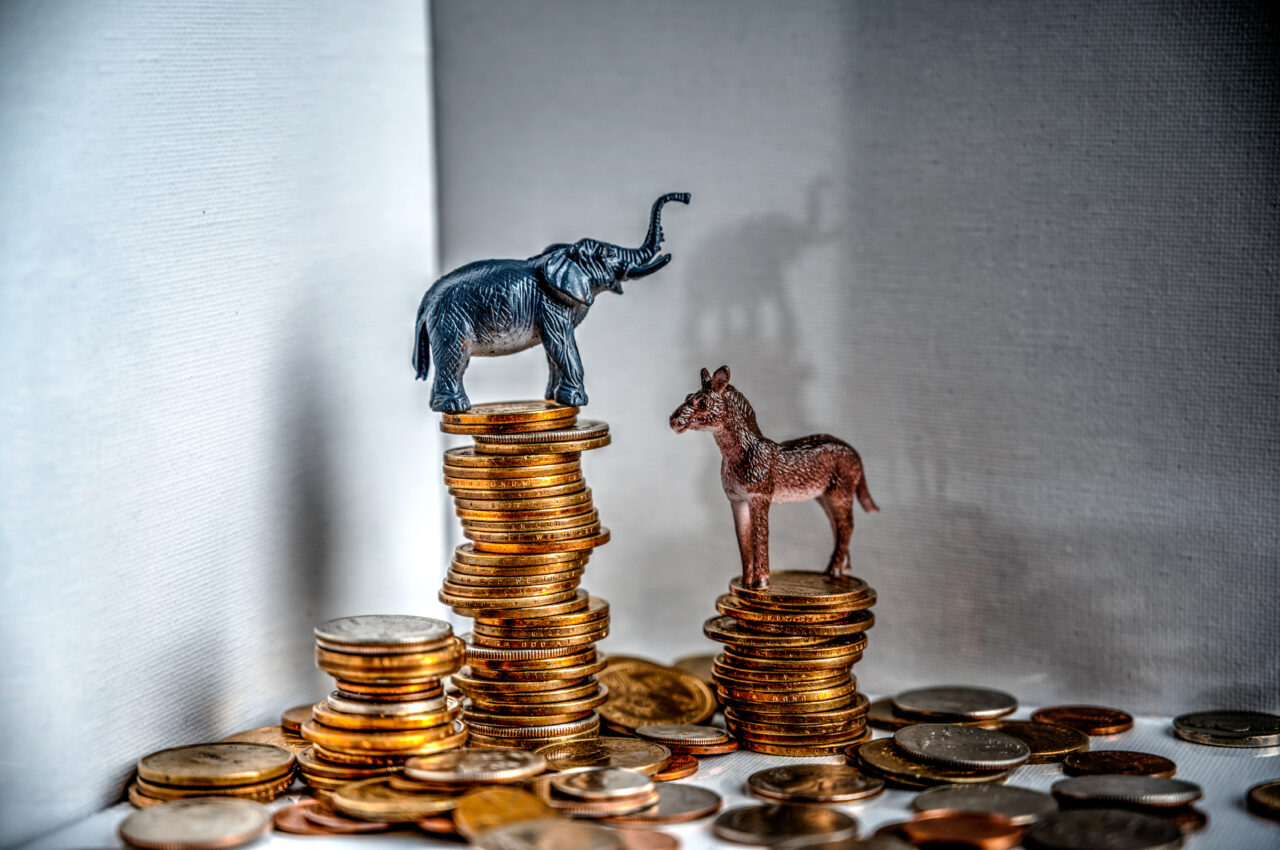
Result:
[
  {"x": 527, "y": 512},
  {"x": 389, "y": 705},
  {"x": 784, "y": 676},
  {"x": 249, "y": 771}
]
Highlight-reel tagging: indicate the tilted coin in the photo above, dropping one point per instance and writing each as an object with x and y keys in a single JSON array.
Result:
[
  {"x": 1134, "y": 790},
  {"x": 293, "y": 718},
  {"x": 1021, "y": 805},
  {"x": 813, "y": 783},
  {"x": 384, "y": 630},
  {"x": 697, "y": 665},
  {"x": 1229, "y": 728},
  {"x": 602, "y": 783},
  {"x": 273, "y": 735},
  {"x": 548, "y": 834},
  {"x": 585, "y": 429},
  {"x": 1048, "y": 742},
  {"x": 770, "y": 824},
  {"x": 958, "y": 702},
  {"x": 1118, "y": 761},
  {"x": 476, "y": 765},
  {"x": 681, "y": 766},
  {"x": 1263, "y": 799},
  {"x": 376, "y": 800},
  {"x": 488, "y": 808},
  {"x": 961, "y": 746},
  {"x": 677, "y": 803},
  {"x": 884, "y": 758},
  {"x": 983, "y": 830},
  {"x": 644, "y": 756},
  {"x": 641, "y": 693},
  {"x": 216, "y": 765},
  {"x": 1102, "y": 829},
  {"x": 198, "y": 824},
  {"x": 1090, "y": 719}
]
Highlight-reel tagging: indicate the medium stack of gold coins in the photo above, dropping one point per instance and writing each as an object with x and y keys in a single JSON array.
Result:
[
  {"x": 389, "y": 704},
  {"x": 249, "y": 771},
  {"x": 525, "y": 507},
  {"x": 784, "y": 677}
]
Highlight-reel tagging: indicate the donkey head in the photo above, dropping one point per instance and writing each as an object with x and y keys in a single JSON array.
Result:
[{"x": 706, "y": 408}]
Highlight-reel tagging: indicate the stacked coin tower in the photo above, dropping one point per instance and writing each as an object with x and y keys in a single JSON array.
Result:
[
  {"x": 389, "y": 704},
  {"x": 784, "y": 676},
  {"x": 525, "y": 507}
]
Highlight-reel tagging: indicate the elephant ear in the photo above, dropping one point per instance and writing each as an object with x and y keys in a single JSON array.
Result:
[{"x": 560, "y": 271}]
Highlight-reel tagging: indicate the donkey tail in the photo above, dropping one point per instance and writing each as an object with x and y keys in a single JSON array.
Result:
[
  {"x": 864, "y": 496},
  {"x": 422, "y": 347}
]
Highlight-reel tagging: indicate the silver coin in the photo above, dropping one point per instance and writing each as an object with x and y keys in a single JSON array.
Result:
[
  {"x": 584, "y": 430},
  {"x": 956, "y": 702},
  {"x": 1229, "y": 728},
  {"x": 681, "y": 733},
  {"x": 1021, "y": 805},
  {"x": 875, "y": 842},
  {"x": 196, "y": 822},
  {"x": 343, "y": 705},
  {"x": 548, "y": 834},
  {"x": 813, "y": 783},
  {"x": 1102, "y": 829},
  {"x": 602, "y": 783},
  {"x": 388, "y": 629},
  {"x": 1122, "y": 788},
  {"x": 969, "y": 747},
  {"x": 771, "y": 824}
]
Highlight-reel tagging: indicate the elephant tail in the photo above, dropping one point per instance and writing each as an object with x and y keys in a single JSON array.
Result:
[{"x": 422, "y": 347}]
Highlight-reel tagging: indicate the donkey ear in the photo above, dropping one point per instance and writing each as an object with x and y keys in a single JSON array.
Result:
[
  {"x": 558, "y": 270},
  {"x": 720, "y": 379},
  {"x": 706, "y": 378}
]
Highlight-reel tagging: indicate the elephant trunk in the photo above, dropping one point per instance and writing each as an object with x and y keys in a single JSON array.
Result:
[{"x": 642, "y": 259}]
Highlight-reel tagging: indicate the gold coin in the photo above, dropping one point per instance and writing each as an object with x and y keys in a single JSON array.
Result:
[
  {"x": 388, "y": 692},
  {"x": 598, "y": 538},
  {"x": 466, "y": 604},
  {"x": 523, "y": 526},
  {"x": 850, "y": 645},
  {"x": 521, "y": 502},
  {"x": 536, "y": 448},
  {"x": 549, "y": 730},
  {"x": 468, "y": 457},
  {"x": 751, "y": 675},
  {"x": 503, "y": 702},
  {"x": 732, "y": 606},
  {"x": 293, "y": 718},
  {"x": 326, "y": 716},
  {"x": 646, "y": 757},
  {"x": 471, "y": 685},
  {"x": 482, "y": 719},
  {"x": 533, "y": 632},
  {"x": 507, "y": 580},
  {"x": 798, "y": 751},
  {"x": 642, "y": 693},
  {"x": 216, "y": 765},
  {"x": 376, "y": 800},
  {"x": 488, "y": 593},
  {"x": 680, "y": 767},
  {"x": 312, "y": 765},
  {"x": 788, "y": 737},
  {"x": 532, "y": 482},
  {"x": 1048, "y": 742},
  {"x": 566, "y": 706},
  {"x": 765, "y": 711},
  {"x": 737, "y": 661},
  {"x": 730, "y": 631},
  {"x": 883, "y": 758},
  {"x": 479, "y": 739},
  {"x": 697, "y": 665},
  {"x": 531, "y": 514},
  {"x": 516, "y": 494},
  {"x": 858, "y": 623},
  {"x": 359, "y": 760},
  {"x": 511, "y": 412},
  {"x": 272, "y": 735},
  {"x": 467, "y": 553},
  {"x": 522, "y": 471},
  {"x": 262, "y": 792},
  {"x": 577, "y": 671},
  {"x": 457, "y": 568},
  {"x": 534, "y": 538},
  {"x": 388, "y": 742},
  {"x": 142, "y": 801},
  {"x": 486, "y": 808},
  {"x": 542, "y": 786},
  {"x": 541, "y": 643},
  {"x": 758, "y": 693},
  {"x": 804, "y": 589},
  {"x": 470, "y": 765},
  {"x": 195, "y": 825},
  {"x": 497, "y": 666},
  {"x": 597, "y": 609}
]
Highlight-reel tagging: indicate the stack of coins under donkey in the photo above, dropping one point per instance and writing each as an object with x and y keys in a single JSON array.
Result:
[
  {"x": 524, "y": 505},
  {"x": 784, "y": 677},
  {"x": 389, "y": 704}
]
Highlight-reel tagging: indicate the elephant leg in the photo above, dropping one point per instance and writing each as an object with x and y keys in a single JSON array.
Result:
[
  {"x": 759, "y": 508},
  {"x": 451, "y": 353},
  {"x": 562, "y": 351},
  {"x": 839, "y": 508},
  {"x": 553, "y": 375}
]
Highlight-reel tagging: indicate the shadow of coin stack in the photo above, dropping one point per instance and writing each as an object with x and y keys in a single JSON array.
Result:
[
  {"x": 527, "y": 512},
  {"x": 784, "y": 677},
  {"x": 389, "y": 704}
]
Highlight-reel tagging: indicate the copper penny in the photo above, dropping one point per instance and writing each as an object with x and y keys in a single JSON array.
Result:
[
  {"x": 680, "y": 767},
  {"x": 1127, "y": 762},
  {"x": 983, "y": 830},
  {"x": 290, "y": 819},
  {"x": 323, "y": 815},
  {"x": 1089, "y": 719}
]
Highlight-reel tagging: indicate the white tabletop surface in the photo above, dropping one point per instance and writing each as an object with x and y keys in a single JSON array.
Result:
[{"x": 1224, "y": 774}]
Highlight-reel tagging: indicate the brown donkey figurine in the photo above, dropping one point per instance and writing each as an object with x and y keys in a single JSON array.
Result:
[{"x": 757, "y": 472}]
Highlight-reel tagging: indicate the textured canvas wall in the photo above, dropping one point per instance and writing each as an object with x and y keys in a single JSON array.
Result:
[
  {"x": 1022, "y": 255},
  {"x": 216, "y": 219}
]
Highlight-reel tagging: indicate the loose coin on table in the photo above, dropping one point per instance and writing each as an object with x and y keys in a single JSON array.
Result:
[
  {"x": 215, "y": 765},
  {"x": 602, "y": 783},
  {"x": 1102, "y": 829},
  {"x": 983, "y": 830},
  {"x": 474, "y": 765},
  {"x": 323, "y": 815},
  {"x": 813, "y": 783},
  {"x": 955, "y": 702},
  {"x": 1089, "y": 719},
  {"x": 771, "y": 824},
  {"x": 487, "y": 808},
  {"x": 548, "y": 834},
  {"x": 677, "y": 803},
  {"x": 648, "y": 839},
  {"x": 642, "y": 693},
  {"x": 689, "y": 739},
  {"x": 1022, "y": 806},
  {"x": 644, "y": 756},
  {"x": 966, "y": 747},
  {"x": 1117, "y": 761},
  {"x": 879, "y": 841},
  {"x": 198, "y": 824},
  {"x": 293, "y": 718},
  {"x": 883, "y": 758},
  {"x": 1048, "y": 742},
  {"x": 1150, "y": 791},
  {"x": 1264, "y": 799},
  {"x": 376, "y": 800},
  {"x": 1229, "y": 728},
  {"x": 291, "y": 819},
  {"x": 680, "y": 767}
]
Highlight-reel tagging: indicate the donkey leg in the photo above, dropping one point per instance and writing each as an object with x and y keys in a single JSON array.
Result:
[
  {"x": 451, "y": 353},
  {"x": 742, "y": 525},
  {"x": 839, "y": 508},
  {"x": 759, "y": 509}
]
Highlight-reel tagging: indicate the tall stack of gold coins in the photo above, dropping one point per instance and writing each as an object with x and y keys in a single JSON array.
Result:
[
  {"x": 389, "y": 704},
  {"x": 784, "y": 677},
  {"x": 525, "y": 507}
]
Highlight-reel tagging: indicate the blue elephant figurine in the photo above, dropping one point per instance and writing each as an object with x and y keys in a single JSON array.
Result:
[{"x": 495, "y": 307}]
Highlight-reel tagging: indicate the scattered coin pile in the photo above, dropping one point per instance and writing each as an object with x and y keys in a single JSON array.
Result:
[
  {"x": 784, "y": 676},
  {"x": 519, "y": 491},
  {"x": 389, "y": 704},
  {"x": 248, "y": 771}
]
